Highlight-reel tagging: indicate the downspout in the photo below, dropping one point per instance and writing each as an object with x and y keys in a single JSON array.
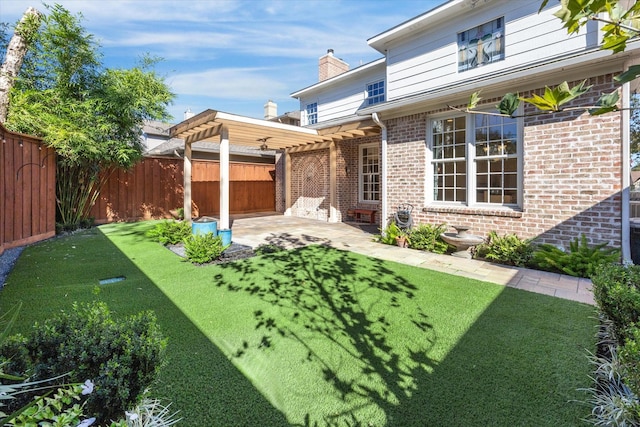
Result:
[
  {"x": 383, "y": 171},
  {"x": 626, "y": 171}
]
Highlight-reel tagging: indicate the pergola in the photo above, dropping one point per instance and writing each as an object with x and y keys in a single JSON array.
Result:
[{"x": 225, "y": 128}]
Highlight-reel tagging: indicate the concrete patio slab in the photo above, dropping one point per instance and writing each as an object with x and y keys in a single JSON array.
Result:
[{"x": 291, "y": 232}]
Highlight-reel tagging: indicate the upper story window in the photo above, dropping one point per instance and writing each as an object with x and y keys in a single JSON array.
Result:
[
  {"x": 476, "y": 159},
  {"x": 369, "y": 175},
  {"x": 481, "y": 45},
  {"x": 312, "y": 113},
  {"x": 375, "y": 92}
]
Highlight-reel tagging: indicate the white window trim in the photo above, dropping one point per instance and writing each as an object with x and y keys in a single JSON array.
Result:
[
  {"x": 366, "y": 91},
  {"x": 306, "y": 116},
  {"x": 471, "y": 163},
  {"x": 361, "y": 148}
]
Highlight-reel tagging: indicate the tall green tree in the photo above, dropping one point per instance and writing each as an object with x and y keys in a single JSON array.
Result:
[{"x": 91, "y": 115}]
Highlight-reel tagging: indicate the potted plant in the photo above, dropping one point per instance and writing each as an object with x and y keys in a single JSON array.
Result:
[
  {"x": 394, "y": 235},
  {"x": 402, "y": 238}
]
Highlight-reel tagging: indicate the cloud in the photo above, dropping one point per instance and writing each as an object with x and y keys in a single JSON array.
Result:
[{"x": 229, "y": 83}]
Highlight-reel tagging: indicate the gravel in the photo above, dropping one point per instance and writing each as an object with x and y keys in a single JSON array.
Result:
[{"x": 7, "y": 261}]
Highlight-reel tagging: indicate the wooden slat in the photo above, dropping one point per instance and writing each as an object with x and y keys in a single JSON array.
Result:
[{"x": 27, "y": 190}]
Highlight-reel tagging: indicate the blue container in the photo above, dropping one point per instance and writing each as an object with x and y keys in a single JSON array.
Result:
[
  {"x": 204, "y": 225},
  {"x": 226, "y": 236}
]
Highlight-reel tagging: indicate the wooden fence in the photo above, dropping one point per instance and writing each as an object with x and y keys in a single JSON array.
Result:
[
  {"x": 27, "y": 190},
  {"x": 154, "y": 188}
]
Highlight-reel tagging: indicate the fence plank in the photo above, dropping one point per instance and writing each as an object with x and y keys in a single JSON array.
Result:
[
  {"x": 27, "y": 190},
  {"x": 155, "y": 187}
]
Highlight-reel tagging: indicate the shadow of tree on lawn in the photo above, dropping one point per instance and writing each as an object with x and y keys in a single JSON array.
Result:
[{"x": 355, "y": 319}]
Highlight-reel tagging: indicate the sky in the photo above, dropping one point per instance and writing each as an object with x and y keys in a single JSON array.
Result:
[{"x": 233, "y": 55}]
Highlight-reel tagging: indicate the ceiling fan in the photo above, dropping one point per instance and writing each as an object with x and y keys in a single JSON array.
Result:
[{"x": 263, "y": 146}]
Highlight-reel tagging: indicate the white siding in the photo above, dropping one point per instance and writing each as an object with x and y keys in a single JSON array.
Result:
[
  {"x": 428, "y": 60},
  {"x": 344, "y": 97}
]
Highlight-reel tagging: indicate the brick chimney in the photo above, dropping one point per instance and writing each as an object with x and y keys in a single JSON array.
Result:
[
  {"x": 330, "y": 66},
  {"x": 270, "y": 110}
]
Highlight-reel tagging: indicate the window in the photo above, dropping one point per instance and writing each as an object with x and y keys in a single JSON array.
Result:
[
  {"x": 476, "y": 159},
  {"x": 481, "y": 45},
  {"x": 312, "y": 113},
  {"x": 375, "y": 92},
  {"x": 449, "y": 159},
  {"x": 369, "y": 176}
]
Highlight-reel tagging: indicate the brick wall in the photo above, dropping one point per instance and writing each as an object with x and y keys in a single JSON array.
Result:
[
  {"x": 572, "y": 175},
  {"x": 310, "y": 184},
  {"x": 349, "y": 159},
  {"x": 306, "y": 192}
]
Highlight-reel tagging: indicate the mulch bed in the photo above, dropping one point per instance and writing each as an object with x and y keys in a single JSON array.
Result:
[{"x": 234, "y": 252}]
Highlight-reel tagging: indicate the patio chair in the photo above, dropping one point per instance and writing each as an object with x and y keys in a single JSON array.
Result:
[{"x": 403, "y": 217}]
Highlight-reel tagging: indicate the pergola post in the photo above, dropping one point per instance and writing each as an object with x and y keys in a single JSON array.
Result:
[
  {"x": 333, "y": 167},
  {"x": 287, "y": 183},
  {"x": 224, "y": 178},
  {"x": 187, "y": 181}
]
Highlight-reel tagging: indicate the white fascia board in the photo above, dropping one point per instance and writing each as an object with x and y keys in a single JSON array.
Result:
[
  {"x": 260, "y": 122},
  {"x": 347, "y": 74},
  {"x": 335, "y": 122}
]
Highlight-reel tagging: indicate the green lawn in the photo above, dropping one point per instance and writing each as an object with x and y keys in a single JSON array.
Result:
[{"x": 321, "y": 337}]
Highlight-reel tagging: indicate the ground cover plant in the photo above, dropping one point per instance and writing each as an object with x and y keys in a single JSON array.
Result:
[
  {"x": 426, "y": 237},
  {"x": 317, "y": 336},
  {"x": 579, "y": 260},
  {"x": 508, "y": 249},
  {"x": 121, "y": 357},
  {"x": 169, "y": 232}
]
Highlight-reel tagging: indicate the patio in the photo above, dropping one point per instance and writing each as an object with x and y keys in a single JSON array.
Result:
[{"x": 273, "y": 228}]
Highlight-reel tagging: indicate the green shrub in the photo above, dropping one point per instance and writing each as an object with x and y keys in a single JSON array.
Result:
[
  {"x": 581, "y": 260},
  {"x": 508, "y": 249},
  {"x": 121, "y": 357},
  {"x": 616, "y": 290},
  {"x": 390, "y": 233},
  {"x": 630, "y": 359},
  {"x": 203, "y": 248},
  {"x": 426, "y": 237},
  {"x": 170, "y": 232}
]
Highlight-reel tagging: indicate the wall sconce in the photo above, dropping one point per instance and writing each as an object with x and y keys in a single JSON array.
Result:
[
  {"x": 20, "y": 143},
  {"x": 4, "y": 140},
  {"x": 40, "y": 146}
]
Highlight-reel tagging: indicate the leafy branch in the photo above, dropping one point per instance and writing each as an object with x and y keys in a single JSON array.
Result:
[{"x": 551, "y": 101}]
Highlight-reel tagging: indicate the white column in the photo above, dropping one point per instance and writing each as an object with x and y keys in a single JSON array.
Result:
[
  {"x": 287, "y": 183},
  {"x": 625, "y": 125},
  {"x": 333, "y": 197},
  {"x": 383, "y": 171},
  {"x": 224, "y": 178},
  {"x": 187, "y": 181}
]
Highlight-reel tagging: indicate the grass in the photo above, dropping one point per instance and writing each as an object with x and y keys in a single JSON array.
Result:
[{"x": 321, "y": 337}]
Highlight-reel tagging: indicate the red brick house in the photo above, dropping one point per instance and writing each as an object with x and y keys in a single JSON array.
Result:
[{"x": 399, "y": 135}]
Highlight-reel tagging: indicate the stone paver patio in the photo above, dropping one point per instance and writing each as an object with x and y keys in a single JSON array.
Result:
[{"x": 254, "y": 230}]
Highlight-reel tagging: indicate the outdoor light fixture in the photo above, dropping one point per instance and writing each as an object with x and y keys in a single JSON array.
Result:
[
  {"x": 20, "y": 143},
  {"x": 4, "y": 140}
]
